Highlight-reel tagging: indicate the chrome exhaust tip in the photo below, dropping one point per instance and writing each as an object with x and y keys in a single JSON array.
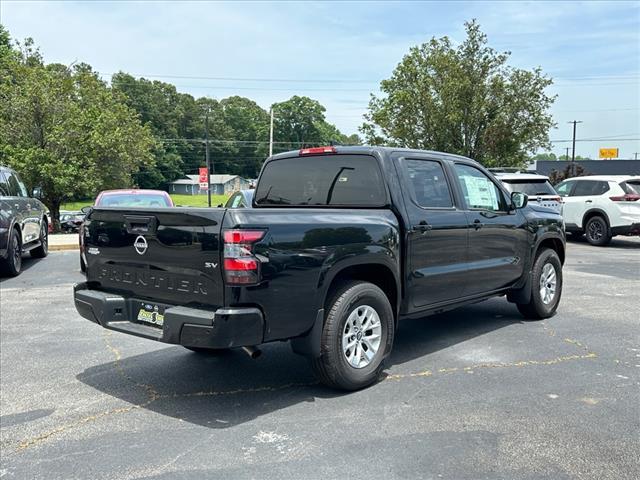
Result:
[{"x": 253, "y": 352}]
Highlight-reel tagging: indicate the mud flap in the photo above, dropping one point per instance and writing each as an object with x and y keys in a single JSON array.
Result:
[
  {"x": 521, "y": 295},
  {"x": 309, "y": 344}
]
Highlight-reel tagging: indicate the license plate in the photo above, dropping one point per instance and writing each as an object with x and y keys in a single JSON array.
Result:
[{"x": 151, "y": 314}]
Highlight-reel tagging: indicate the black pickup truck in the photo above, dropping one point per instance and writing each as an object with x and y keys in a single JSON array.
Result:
[{"x": 341, "y": 243}]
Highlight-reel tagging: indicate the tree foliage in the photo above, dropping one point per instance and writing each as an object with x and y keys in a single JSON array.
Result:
[
  {"x": 63, "y": 129},
  {"x": 462, "y": 99}
]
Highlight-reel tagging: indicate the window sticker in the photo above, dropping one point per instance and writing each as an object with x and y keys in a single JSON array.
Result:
[{"x": 481, "y": 193}]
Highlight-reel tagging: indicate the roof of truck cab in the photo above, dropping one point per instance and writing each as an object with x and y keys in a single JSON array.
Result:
[{"x": 368, "y": 150}]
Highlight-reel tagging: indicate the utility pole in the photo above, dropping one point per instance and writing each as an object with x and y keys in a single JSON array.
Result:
[
  {"x": 206, "y": 149},
  {"x": 635, "y": 155},
  {"x": 567, "y": 154},
  {"x": 271, "y": 135},
  {"x": 573, "y": 151}
]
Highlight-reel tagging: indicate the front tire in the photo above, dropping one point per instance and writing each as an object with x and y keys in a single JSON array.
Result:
[
  {"x": 356, "y": 338},
  {"x": 546, "y": 287},
  {"x": 43, "y": 250},
  {"x": 597, "y": 231}
]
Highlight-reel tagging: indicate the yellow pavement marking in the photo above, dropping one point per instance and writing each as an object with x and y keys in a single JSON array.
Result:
[{"x": 154, "y": 395}]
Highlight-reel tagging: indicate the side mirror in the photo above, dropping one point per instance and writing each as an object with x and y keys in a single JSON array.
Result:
[
  {"x": 86, "y": 210},
  {"x": 37, "y": 192},
  {"x": 518, "y": 200}
]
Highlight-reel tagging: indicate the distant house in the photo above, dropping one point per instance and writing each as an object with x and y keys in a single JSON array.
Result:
[{"x": 220, "y": 185}]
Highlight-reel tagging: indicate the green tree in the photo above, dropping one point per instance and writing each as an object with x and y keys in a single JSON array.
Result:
[
  {"x": 250, "y": 126},
  {"x": 464, "y": 100},
  {"x": 549, "y": 156},
  {"x": 297, "y": 123},
  {"x": 63, "y": 129}
]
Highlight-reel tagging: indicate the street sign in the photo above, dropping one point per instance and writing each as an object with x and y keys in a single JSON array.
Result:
[
  {"x": 203, "y": 178},
  {"x": 608, "y": 153}
]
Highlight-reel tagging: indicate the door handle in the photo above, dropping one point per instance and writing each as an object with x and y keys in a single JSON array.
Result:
[
  {"x": 477, "y": 224},
  {"x": 422, "y": 227},
  {"x": 588, "y": 201}
]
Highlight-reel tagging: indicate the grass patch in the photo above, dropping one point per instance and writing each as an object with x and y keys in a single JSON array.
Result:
[
  {"x": 76, "y": 206},
  {"x": 182, "y": 200},
  {"x": 198, "y": 200}
]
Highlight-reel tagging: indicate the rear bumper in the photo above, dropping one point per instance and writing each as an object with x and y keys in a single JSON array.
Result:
[
  {"x": 633, "y": 229},
  {"x": 190, "y": 327}
]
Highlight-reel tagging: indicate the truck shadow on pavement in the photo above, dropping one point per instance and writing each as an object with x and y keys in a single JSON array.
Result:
[{"x": 220, "y": 391}]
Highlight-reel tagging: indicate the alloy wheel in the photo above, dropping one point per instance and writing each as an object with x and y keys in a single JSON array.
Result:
[
  {"x": 548, "y": 282},
  {"x": 361, "y": 336}
]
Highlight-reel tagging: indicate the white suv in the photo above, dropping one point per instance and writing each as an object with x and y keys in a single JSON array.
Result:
[{"x": 601, "y": 206}]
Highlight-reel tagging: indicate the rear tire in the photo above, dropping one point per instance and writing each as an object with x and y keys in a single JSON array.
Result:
[
  {"x": 546, "y": 287},
  {"x": 356, "y": 338},
  {"x": 597, "y": 231},
  {"x": 43, "y": 250},
  {"x": 12, "y": 265}
]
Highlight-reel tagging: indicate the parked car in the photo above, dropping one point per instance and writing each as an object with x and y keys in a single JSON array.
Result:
[
  {"x": 601, "y": 207},
  {"x": 536, "y": 187},
  {"x": 241, "y": 199},
  {"x": 24, "y": 223},
  {"x": 341, "y": 243},
  {"x": 131, "y": 198},
  {"x": 70, "y": 221}
]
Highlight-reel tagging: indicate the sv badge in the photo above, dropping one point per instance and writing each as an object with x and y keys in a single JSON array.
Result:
[{"x": 210, "y": 265}]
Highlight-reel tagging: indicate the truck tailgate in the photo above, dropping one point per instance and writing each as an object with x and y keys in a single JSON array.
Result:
[{"x": 171, "y": 255}]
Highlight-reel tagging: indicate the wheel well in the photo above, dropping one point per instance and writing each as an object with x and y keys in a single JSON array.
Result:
[
  {"x": 594, "y": 213},
  {"x": 553, "y": 244},
  {"x": 377, "y": 274}
]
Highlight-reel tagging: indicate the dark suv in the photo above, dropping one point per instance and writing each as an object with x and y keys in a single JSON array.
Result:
[{"x": 23, "y": 223}]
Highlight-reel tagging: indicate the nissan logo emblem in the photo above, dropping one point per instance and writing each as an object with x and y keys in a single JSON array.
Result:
[{"x": 140, "y": 245}]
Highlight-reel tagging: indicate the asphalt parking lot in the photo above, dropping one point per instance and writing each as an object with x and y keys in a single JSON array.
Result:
[{"x": 476, "y": 393}]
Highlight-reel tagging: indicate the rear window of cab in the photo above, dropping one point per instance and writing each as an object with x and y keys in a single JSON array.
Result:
[{"x": 322, "y": 180}]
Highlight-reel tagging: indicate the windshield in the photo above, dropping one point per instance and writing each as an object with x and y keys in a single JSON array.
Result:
[
  {"x": 344, "y": 180},
  {"x": 530, "y": 187},
  {"x": 133, "y": 200}
]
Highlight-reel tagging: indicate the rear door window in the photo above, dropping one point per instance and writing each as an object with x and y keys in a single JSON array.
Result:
[
  {"x": 429, "y": 184},
  {"x": 585, "y": 188},
  {"x": 327, "y": 180}
]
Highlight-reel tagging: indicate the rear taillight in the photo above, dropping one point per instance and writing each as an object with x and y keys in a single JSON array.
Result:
[
  {"x": 317, "y": 151},
  {"x": 241, "y": 267},
  {"x": 629, "y": 197}
]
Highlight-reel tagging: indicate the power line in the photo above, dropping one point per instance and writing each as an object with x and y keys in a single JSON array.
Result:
[
  {"x": 335, "y": 80},
  {"x": 597, "y": 140}
]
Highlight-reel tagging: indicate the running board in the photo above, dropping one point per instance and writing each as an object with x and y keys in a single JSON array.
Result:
[{"x": 31, "y": 246}]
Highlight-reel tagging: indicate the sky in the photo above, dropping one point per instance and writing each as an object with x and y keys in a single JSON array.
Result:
[{"x": 338, "y": 52}]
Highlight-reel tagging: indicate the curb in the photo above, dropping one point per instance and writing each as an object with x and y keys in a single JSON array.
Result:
[{"x": 54, "y": 248}]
